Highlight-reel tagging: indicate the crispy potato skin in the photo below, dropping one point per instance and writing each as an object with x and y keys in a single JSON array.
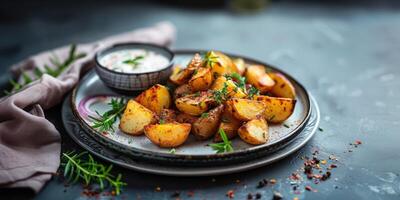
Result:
[
  {"x": 135, "y": 118},
  {"x": 185, "y": 118},
  {"x": 245, "y": 109},
  {"x": 277, "y": 109},
  {"x": 254, "y": 132},
  {"x": 233, "y": 90},
  {"x": 283, "y": 87},
  {"x": 205, "y": 127},
  {"x": 167, "y": 135},
  {"x": 195, "y": 104},
  {"x": 155, "y": 98},
  {"x": 201, "y": 80},
  {"x": 229, "y": 124},
  {"x": 168, "y": 115},
  {"x": 182, "y": 90},
  {"x": 240, "y": 65},
  {"x": 256, "y": 75}
]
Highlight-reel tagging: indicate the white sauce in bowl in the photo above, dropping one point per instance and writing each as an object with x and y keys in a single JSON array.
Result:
[{"x": 134, "y": 61}]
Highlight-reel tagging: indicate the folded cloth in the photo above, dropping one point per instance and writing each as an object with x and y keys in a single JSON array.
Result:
[{"x": 30, "y": 144}]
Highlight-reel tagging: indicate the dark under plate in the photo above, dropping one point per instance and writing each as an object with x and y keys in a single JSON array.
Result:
[{"x": 74, "y": 129}]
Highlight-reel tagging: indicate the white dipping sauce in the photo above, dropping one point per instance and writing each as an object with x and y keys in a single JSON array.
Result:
[{"x": 134, "y": 61}]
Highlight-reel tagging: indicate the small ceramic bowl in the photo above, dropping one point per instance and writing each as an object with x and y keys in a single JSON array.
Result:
[{"x": 126, "y": 81}]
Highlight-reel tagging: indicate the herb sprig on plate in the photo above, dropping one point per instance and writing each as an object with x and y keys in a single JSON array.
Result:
[
  {"x": 82, "y": 166},
  {"x": 105, "y": 121},
  {"x": 224, "y": 146}
]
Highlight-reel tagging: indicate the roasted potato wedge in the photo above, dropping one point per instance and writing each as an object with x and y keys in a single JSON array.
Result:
[
  {"x": 229, "y": 124},
  {"x": 245, "y": 109},
  {"x": 201, "y": 80},
  {"x": 195, "y": 104},
  {"x": 155, "y": 98},
  {"x": 181, "y": 76},
  {"x": 233, "y": 90},
  {"x": 135, "y": 118},
  {"x": 207, "y": 125},
  {"x": 240, "y": 65},
  {"x": 167, "y": 135},
  {"x": 219, "y": 63},
  {"x": 167, "y": 116},
  {"x": 283, "y": 87},
  {"x": 255, "y": 131},
  {"x": 185, "y": 118},
  {"x": 256, "y": 75},
  {"x": 182, "y": 90},
  {"x": 278, "y": 109}
]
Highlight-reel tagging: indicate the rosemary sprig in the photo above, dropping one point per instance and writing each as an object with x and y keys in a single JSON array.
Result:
[
  {"x": 134, "y": 62},
  {"x": 56, "y": 70},
  {"x": 224, "y": 146},
  {"x": 83, "y": 166},
  {"x": 105, "y": 121}
]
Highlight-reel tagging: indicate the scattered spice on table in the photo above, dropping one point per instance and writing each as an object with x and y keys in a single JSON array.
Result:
[
  {"x": 230, "y": 194},
  {"x": 158, "y": 189},
  {"x": 176, "y": 194},
  {"x": 190, "y": 193},
  {"x": 277, "y": 196}
]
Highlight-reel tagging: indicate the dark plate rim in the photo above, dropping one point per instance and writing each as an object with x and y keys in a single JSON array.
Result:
[
  {"x": 203, "y": 171},
  {"x": 252, "y": 149}
]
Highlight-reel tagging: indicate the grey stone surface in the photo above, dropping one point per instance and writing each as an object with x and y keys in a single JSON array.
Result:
[{"x": 346, "y": 56}]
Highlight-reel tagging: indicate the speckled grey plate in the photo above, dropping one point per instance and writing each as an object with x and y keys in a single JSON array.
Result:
[
  {"x": 192, "y": 152},
  {"x": 81, "y": 137}
]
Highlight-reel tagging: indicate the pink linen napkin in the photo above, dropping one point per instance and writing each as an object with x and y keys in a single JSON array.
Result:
[{"x": 30, "y": 144}]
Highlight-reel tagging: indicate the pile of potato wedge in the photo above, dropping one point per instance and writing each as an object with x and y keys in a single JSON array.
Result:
[{"x": 212, "y": 92}]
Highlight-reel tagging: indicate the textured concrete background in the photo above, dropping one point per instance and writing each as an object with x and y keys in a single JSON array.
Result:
[{"x": 346, "y": 56}]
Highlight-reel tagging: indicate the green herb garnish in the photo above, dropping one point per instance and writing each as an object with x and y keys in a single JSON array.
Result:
[
  {"x": 285, "y": 125},
  {"x": 320, "y": 129},
  {"x": 161, "y": 121},
  {"x": 221, "y": 95},
  {"x": 210, "y": 59},
  {"x": 105, "y": 121},
  {"x": 79, "y": 166},
  {"x": 240, "y": 81},
  {"x": 197, "y": 94},
  {"x": 134, "y": 62},
  {"x": 204, "y": 115},
  {"x": 56, "y": 70},
  {"x": 224, "y": 146},
  {"x": 253, "y": 91},
  {"x": 172, "y": 151}
]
